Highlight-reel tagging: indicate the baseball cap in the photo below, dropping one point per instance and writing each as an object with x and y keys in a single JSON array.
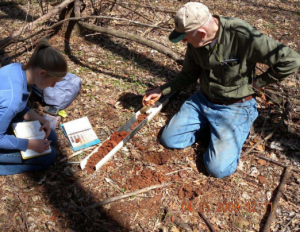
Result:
[{"x": 188, "y": 18}]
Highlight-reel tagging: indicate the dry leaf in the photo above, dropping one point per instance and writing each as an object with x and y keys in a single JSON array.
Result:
[
  {"x": 23, "y": 198},
  {"x": 262, "y": 162},
  {"x": 174, "y": 229},
  {"x": 261, "y": 179},
  {"x": 240, "y": 222},
  {"x": 260, "y": 147}
]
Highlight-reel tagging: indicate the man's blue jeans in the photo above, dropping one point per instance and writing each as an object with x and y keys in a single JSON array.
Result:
[
  {"x": 229, "y": 127},
  {"x": 11, "y": 161}
]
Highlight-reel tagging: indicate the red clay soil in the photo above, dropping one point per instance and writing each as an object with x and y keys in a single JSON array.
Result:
[
  {"x": 158, "y": 158},
  {"x": 106, "y": 147},
  {"x": 145, "y": 179},
  {"x": 189, "y": 192},
  {"x": 140, "y": 118}
]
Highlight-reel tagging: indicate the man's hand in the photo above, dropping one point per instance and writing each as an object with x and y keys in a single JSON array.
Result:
[
  {"x": 151, "y": 97},
  {"x": 260, "y": 92},
  {"x": 46, "y": 127},
  {"x": 38, "y": 145}
]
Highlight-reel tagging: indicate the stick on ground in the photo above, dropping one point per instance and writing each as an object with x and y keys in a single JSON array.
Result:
[
  {"x": 210, "y": 226},
  {"x": 109, "y": 200},
  {"x": 286, "y": 176}
]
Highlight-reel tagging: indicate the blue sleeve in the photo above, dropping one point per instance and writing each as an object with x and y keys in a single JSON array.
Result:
[
  {"x": 8, "y": 142},
  {"x": 9, "y": 107}
]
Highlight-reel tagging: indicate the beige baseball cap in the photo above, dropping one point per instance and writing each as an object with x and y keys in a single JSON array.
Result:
[{"x": 188, "y": 18}]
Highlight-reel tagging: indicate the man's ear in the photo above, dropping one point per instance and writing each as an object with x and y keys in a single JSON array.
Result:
[{"x": 202, "y": 32}]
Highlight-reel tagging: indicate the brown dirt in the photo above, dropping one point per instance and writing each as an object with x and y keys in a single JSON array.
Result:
[
  {"x": 106, "y": 147},
  {"x": 140, "y": 118},
  {"x": 53, "y": 199},
  {"x": 158, "y": 158},
  {"x": 144, "y": 179},
  {"x": 190, "y": 192}
]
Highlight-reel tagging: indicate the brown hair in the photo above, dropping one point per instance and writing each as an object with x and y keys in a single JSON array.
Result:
[{"x": 49, "y": 59}]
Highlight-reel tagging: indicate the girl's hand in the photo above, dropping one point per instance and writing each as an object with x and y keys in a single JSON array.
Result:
[
  {"x": 38, "y": 145},
  {"x": 46, "y": 127}
]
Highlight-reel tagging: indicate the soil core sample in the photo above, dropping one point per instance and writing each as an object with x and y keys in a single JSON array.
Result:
[
  {"x": 106, "y": 147},
  {"x": 139, "y": 119}
]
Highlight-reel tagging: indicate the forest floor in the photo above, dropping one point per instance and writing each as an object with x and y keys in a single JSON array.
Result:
[{"x": 115, "y": 75}]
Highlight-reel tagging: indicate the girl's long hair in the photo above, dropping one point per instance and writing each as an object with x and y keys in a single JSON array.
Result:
[{"x": 48, "y": 59}]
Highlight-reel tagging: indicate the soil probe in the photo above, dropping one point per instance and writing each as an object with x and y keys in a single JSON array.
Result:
[{"x": 154, "y": 110}]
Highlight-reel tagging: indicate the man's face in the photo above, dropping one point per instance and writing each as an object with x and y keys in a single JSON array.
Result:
[{"x": 194, "y": 38}]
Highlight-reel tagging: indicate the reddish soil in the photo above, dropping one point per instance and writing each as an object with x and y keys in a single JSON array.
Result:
[
  {"x": 189, "y": 191},
  {"x": 145, "y": 179},
  {"x": 158, "y": 158},
  {"x": 106, "y": 147},
  {"x": 140, "y": 118}
]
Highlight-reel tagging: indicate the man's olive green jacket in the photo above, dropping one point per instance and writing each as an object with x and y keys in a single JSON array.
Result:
[{"x": 227, "y": 70}]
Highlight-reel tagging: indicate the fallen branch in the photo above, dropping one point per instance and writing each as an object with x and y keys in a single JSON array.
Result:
[
  {"x": 113, "y": 199},
  {"x": 284, "y": 114},
  {"x": 286, "y": 176},
  {"x": 105, "y": 17},
  {"x": 126, "y": 35},
  {"x": 22, "y": 30},
  {"x": 210, "y": 226},
  {"x": 135, "y": 38}
]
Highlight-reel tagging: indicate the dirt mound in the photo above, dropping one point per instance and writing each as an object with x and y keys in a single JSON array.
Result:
[
  {"x": 158, "y": 158},
  {"x": 189, "y": 192},
  {"x": 146, "y": 178},
  {"x": 106, "y": 147}
]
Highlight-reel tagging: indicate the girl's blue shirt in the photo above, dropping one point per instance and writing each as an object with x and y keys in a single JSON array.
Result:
[{"x": 13, "y": 100}]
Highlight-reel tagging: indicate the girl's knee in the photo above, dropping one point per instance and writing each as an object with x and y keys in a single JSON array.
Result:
[
  {"x": 49, "y": 159},
  {"x": 52, "y": 137}
]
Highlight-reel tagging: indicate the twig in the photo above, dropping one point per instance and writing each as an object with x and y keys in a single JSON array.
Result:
[
  {"x": 149, "y": 29},
  {"x": 113, "y": 199},
  {"x": 113, "y": 184},
  {"x": 276, "y": 162},
  {"x": 284, "y": 114},
  {"x": 134, "y": 218},
  {"x": 128, "y": 8},
  {"x": 155, "y": 225},
  {"x": 290, "y": 221},
  {"x": 185, "y": 226},
  {"x": 75, "y": 154},
  {"x": 286, "y": 176},
  {"x": 176, "y": 220},
  {"x": 178, "y": 171},
  {"x": 144, "y": 6},
  {"x": 210, "y": 226}
]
